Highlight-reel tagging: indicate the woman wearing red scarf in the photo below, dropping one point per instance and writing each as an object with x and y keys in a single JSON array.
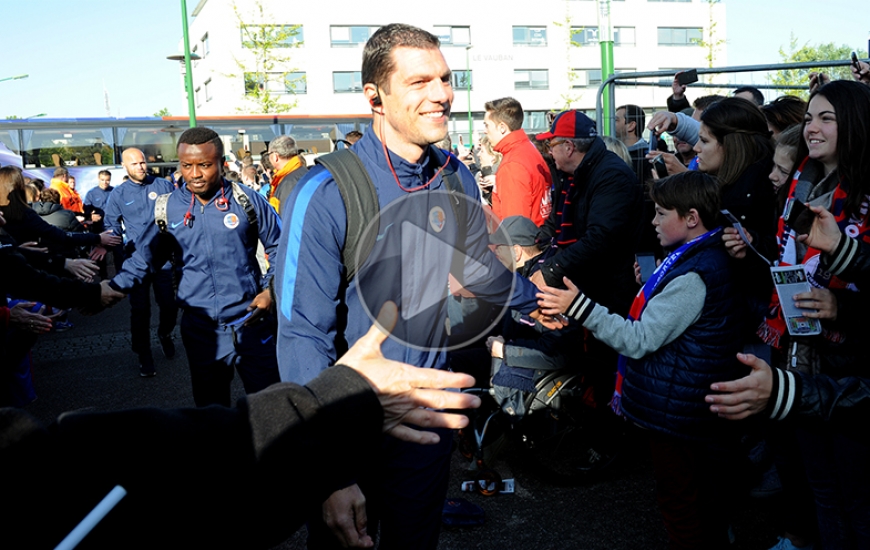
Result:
[{"x": 833, "y": 172}]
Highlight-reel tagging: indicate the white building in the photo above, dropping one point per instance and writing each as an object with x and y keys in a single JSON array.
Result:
[{"x": 518, "y": 48}]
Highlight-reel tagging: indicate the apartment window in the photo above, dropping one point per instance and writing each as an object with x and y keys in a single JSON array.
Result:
[
  {"x": 343, "y": 36},
  {"x": 205, "y": 46},
  {"x": 280, "y": 36},
  {"x": 623, "y": 36},
  {"x": 586, "y": 36},
  {"x": 296, "y": 83},
  {"x": 680, "y": 36},
  {"x": 276, "y": 83},
  {"x": 461, "y": 80},
  {"x": 530, "y": 36},
  {"x": 453, "y": 36},
  {"x": 531, "y": 79},
  {"x": 193, "y": 51},
  {"x": 592, "y": 77},
  {"x": 207, "y": 88},
  {"x": 345, "y": 82},
  {"x": 198, "y": 96}
]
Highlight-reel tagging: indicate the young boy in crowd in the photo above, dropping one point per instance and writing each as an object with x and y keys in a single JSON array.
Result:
[{"x": 682, "y": 334}]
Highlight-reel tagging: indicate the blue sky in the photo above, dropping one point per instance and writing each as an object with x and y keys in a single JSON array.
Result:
[{"x": 71, "y": 49}]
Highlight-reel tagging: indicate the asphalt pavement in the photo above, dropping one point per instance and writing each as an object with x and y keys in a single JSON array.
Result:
[{"x": 91, "y": 367}]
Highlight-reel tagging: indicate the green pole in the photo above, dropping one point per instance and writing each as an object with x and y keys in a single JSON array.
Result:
[
  {"x": 468, "y": 89},
  {"x": 605, "y": 39},
  {"x": 19, "y": 77},
  {"x": 188, "y": 72}
]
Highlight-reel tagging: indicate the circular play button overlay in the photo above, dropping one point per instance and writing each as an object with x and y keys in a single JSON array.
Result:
[{"x": 431, "y": 256}]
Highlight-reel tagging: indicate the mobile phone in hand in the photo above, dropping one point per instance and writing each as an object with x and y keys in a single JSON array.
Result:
[
  {"x": 660, "y": 166},
  {"x": 647, "y": 263},
  {"x": 799, "y": 217},
  {"x": 687, "y": 77},
  {"x": 855, "y": 61}
]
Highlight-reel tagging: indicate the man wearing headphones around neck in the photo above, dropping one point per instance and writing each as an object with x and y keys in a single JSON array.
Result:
[
  {"x": 420, "y": 235},
  {"x": 214, "y": 226}
]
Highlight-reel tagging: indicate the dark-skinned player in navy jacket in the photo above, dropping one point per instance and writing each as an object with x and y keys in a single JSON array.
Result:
[{"x": 228, "y": 320}]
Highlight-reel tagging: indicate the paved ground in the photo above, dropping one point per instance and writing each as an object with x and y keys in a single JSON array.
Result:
[{"x": 90, "y": 367}]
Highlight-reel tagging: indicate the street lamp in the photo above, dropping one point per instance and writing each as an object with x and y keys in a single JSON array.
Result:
[
  {"x": 468, "y": 89},
  {"x": 188, "y": 73},
  {"x": 18, "y": 77},
  {"x": 188, "y": 80}
]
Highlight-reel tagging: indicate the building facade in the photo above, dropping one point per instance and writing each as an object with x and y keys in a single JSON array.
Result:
[{"x": 545, "y": 53}]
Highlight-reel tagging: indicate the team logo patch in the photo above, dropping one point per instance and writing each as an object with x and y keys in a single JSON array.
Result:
[
  {"x": 231, "y": 221},
  {"x": 152, "y": 195},
  {"x": 436, "y": 219}
]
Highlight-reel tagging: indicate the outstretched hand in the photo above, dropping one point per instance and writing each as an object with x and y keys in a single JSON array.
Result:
[
  {"x": 746, "y": 396},
  {"x": 403, "y": 389},
  {"x": 555, "y": 301},
  {"x": 108, "y": 238},
  {"x": 661, "y": 122},
  {"x": 82, "y": 269},
  {"x": 824, "y": 234},
  {"x": 22, "y": 318}
]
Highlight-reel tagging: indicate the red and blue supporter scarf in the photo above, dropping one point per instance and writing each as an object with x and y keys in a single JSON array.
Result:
[
  {"x": 773, "y": 328},
  {"x": 640, "y": 301}
]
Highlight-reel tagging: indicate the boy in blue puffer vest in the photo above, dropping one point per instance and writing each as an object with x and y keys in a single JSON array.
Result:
[{"x": 682, "y": 334}]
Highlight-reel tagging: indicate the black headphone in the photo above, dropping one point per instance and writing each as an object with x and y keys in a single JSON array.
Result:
[{"x": 376, "y": 101}]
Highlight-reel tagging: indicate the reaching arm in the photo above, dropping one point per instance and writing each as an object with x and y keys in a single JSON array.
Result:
[
  {"x": 780, "y": 394},
  {"x": 667, "y": 315}
]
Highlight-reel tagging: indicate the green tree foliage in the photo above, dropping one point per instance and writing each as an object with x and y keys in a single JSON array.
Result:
[
  {"x": 163, "y": 112},
  {"x": 807, "y": 53},
  {"x": 712, "y": 44},
  {"x": 266, "y": 70},
  {"x": 567, "y": 98}
]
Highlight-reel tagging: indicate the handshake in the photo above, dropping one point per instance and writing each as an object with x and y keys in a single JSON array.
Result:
[{"x": 108, "y": 297}]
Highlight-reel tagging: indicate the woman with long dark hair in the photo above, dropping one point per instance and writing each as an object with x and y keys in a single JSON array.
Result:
[
  {"x": 832, "y": 171},
  {"x": 734, "y": 145}
]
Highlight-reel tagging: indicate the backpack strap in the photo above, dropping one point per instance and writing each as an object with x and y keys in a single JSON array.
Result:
[
  {"x": 160, "y": 211},
  {"x": 246, "y": 204},
  {"x": 459, "y": 204},
  {"x": 360, "y": 201}
]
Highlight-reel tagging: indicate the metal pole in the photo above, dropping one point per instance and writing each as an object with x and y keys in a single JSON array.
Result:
[
  {"x": 18, "y": 77},
  {"x": 468, "y": 88},
  {"x": 605, "y": 39},
  {"x": 599, "y": 109},
  {"x": 188, "y": 77}
]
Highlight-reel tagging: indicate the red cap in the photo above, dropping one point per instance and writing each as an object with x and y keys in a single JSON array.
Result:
[{"x": 570, "y": 124}]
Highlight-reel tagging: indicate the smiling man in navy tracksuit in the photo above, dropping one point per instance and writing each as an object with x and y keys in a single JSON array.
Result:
[
  {"x": 407, "y": 83},
  {"x": 228, "y": 320}
]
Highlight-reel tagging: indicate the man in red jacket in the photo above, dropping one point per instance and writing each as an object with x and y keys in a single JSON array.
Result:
[{"x": 522, "y": 184}]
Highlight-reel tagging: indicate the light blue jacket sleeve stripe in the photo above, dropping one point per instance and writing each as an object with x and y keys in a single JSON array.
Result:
[{"x": 294, "y": 240}]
